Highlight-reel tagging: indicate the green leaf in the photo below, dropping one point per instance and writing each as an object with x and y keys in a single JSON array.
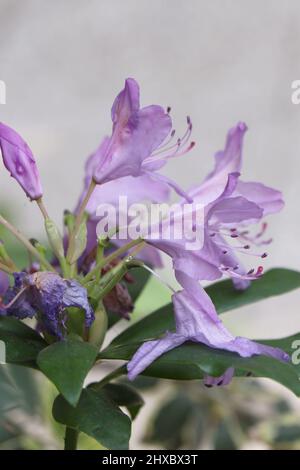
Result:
[
  {"x": 192, "y": 361},
  {"x": 66, "y": 363},
  {"x": 22, "y": 342},
  {"x": 123, "y": 395},
  {"x": 97, "y": 416},
  {"x": 141, "y": 277},
  {"x": 275, "y": 282}
]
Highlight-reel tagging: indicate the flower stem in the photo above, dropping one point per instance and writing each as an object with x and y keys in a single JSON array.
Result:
[
  {"x": 120, "y": 251},
  {"x": 122, "y": 370},
  {"x": 71, "y": 438},
  {"x": 42, "y": 208},
  {"x": 26, "y": 243},
  {"x": 86, "y": 199},
  {"x": 80, "y": 216},
  {"x": 5, "y": 269}
]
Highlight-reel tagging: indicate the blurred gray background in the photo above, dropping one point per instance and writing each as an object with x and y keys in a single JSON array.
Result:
[{"x": 220, "y": 61}]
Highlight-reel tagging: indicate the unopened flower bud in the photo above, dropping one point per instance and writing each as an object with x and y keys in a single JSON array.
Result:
[
  {"x": 20, "y": 162},
  {"x": 40, "y": 248},
  {"x": 69, "y": 220},
  {"x": 99, "y": 326}
]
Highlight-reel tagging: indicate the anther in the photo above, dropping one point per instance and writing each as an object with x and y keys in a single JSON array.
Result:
[{"x": 259, "y": 270}]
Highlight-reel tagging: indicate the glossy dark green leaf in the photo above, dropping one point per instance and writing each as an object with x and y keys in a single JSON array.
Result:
[
  {"x": 191, "y": 361},
  {"x": 275, "y": 282},
  {"x": 22, "y": 342},
  {"x": 66, "y": 363},
  {"x": 123, "y": 395},
  {"x": 97, "y": 416}
]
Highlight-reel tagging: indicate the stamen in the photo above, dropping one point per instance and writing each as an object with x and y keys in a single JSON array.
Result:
[
  {"x": 167, "y": 142},
  {"x": 263, "y": 229},
  {"x": 145, "y": 266},
  {"x": 254, "y": 239},
  {"x": 181, "y": 142},
  {"x": 162, "y": 149},
  {"x": 260, "y": 270}
]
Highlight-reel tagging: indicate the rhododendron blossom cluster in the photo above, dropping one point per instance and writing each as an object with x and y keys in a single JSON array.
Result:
[{"x": 73, "y": 287}]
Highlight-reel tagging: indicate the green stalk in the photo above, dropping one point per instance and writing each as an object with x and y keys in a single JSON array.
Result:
[
  {"x": 112, "y": 283},
  {"x": 42, "y": 208},
  {"x": 79, "y": 217},
  {"x": 71, "y": 438},
  {"x": 5, "y": 269},
  {"x": 120, "y": 251},
  {"x": 26, "y": 243}
]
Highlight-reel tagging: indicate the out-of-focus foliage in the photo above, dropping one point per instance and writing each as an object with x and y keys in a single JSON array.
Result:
[{"x": 246, "y": 414}]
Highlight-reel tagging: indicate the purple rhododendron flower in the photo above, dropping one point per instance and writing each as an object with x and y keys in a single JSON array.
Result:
[
  {"x": 141, "y": 188},
  {"x": 20, "y": 162},
  {"x": 197, "y": 321},
  {"x": 138, "y": 144},
  {"x": 229, "y": 205},
  {"x": 217, "y": 256},
  {"x": 229, "y": 161},
  {"x": 46, "y": 295}
]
